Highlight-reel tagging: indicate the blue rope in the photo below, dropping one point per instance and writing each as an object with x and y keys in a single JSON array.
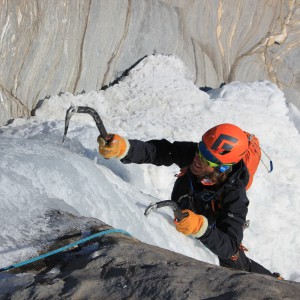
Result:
[{"x": 26, "y": 262}]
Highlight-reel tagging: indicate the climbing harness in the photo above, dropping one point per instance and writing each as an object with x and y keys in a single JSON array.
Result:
[{"x": 236, "y": 256}]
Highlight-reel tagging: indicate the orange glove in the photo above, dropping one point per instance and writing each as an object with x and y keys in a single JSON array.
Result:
[
  {"x": 193, "y": 224},
  {"x": 117, "y": 148}
]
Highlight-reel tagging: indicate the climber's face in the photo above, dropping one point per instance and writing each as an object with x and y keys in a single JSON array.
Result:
[{"x": 200, "y": 167}]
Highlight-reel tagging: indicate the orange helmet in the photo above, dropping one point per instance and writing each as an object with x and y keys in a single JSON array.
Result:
[{"x": 224, "y": 144}]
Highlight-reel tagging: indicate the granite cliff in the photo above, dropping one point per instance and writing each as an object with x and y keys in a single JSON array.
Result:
[{"x": 48, "y": 47}]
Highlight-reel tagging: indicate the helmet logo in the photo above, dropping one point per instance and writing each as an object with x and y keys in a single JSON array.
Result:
[{"x": 226, "y": 147}]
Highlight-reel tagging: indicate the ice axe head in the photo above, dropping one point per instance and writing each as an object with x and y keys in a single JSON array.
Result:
[
  {"x": 179, "y": 215},
  {"x": 93, "y": 113}
]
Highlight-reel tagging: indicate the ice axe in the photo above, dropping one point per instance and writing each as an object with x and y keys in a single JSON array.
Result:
[
  {"x": 87, "y": 110},
  {"x": 179, "y": 215}
]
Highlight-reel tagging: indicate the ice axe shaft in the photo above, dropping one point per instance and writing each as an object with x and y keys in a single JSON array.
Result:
[
  {"x": 179, "y": 215},
  {"x": 88, "y": 110}
]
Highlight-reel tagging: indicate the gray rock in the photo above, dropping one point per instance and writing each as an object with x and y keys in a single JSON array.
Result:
[
  {"x": 121, "y": 267},
  {"x": 56, "y": 46}
]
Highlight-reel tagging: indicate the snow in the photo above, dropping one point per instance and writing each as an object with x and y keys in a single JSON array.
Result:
[{"x": 158, "y": 99}]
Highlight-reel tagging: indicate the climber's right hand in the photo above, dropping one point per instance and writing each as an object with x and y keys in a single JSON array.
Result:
[{"x": 117, "y": 147}]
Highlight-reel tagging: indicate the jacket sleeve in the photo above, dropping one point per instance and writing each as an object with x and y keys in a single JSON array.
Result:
[
  {"x": 225, "y": 237},
  {"x": 160, "y": 153}
]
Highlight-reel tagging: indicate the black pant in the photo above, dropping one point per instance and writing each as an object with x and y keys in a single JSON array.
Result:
[{"x": 244, "y": 263}]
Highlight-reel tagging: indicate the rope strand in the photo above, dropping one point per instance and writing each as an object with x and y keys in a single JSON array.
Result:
[{"x": 26, "y": 262}]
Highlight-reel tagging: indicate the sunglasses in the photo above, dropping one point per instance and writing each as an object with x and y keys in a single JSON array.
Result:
[{"x": 221, "y": 167}]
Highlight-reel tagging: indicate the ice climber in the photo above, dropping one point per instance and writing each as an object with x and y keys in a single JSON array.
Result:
[{"x": 211, "y": 186}]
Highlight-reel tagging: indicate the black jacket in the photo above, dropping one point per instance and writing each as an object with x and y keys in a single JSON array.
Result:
[{"x": 225, "y": 206}]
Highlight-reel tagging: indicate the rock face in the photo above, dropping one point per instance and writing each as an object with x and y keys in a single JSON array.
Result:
[
  {"x": 56, "y": 46},
  {"x": 116, "y": 266}
]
